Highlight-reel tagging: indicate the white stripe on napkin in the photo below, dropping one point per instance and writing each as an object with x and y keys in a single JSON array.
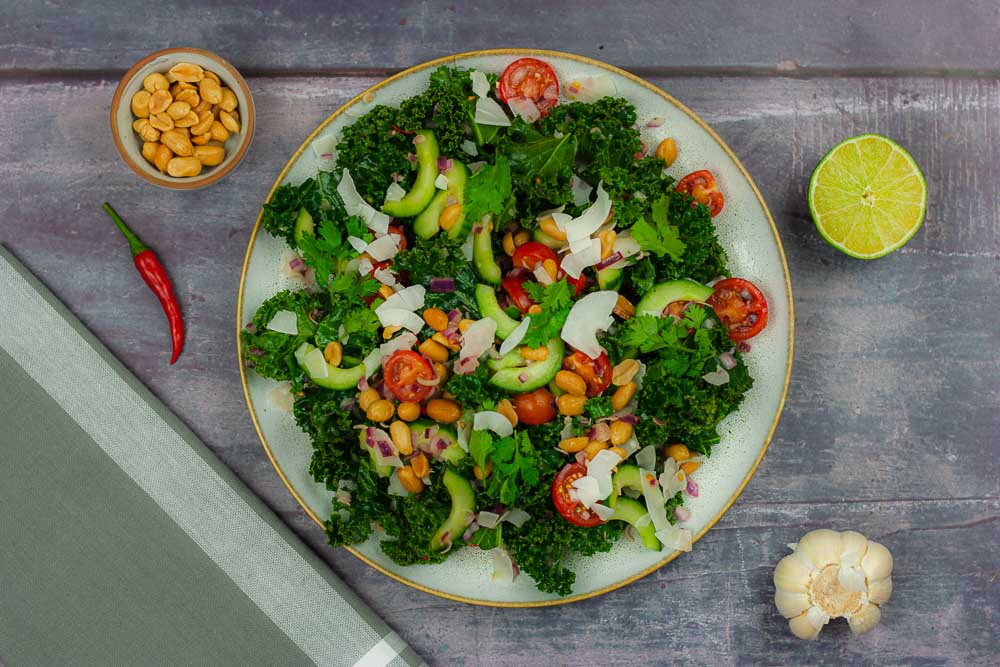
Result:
[
  {"x": 279, "y": 581},
  {"x": 381, "y": 654}
]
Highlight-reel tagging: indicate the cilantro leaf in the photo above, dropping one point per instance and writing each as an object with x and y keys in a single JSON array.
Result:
[
  {"x": 555, "y": 300},
  {"x": 481, "y": 447},
  {"x": 664, "y": 238},
  {"x": 325, "y": 251},
  {"x": 489, "y": 191}
]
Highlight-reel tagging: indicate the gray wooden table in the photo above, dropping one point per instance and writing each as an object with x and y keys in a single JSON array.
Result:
[{"x": 891, "y": 424}]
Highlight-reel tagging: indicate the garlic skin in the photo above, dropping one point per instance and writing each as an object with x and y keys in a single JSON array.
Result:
[{"x": 829, "y": 575}]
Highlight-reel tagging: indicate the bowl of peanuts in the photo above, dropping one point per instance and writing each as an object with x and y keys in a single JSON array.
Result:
[{"x": 182, "y": 118}]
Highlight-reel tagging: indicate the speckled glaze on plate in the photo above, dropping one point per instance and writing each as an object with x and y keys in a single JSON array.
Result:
[{"x": 746, "y": 231}]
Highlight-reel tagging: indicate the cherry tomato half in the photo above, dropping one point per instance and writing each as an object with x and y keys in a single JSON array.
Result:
[
  {"x": 578, "y": 284},
  {"x": 530, "y": 78},
  {"x": 572, "y": 510},
  {"x": 514, "y": 286},
  {"x": 531, "y": 254},
  {"x": 595, "y": 372},
  {"x": 740, "y": 306},
  {"x": 702, "y": 186},
  {"x": 403, "y": 371},
  {"x": 535, "y": 407}
]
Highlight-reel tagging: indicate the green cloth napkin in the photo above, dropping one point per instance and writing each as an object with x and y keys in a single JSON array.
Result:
[{"x": 123, "y": 540}]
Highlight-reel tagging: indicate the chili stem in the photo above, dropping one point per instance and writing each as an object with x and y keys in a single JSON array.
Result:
[{"x": 134, "y": 243}]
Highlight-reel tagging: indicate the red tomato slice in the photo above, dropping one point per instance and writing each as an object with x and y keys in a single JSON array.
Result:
[
  {"x": 402, "y": 373},
  {"x": 515, "y": 288},
  {"x": 740, "y": 306},
  {"x": 532, "y": 253},
  {"x": 701, "y": 185},
  {"x": 595, "y": 372},
  {"x": 533, "y": 79},
  {"x": 535, "y": 407},
  {"x": 572, "y": 510}
]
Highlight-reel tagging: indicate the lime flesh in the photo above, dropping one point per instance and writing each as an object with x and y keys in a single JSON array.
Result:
[{"x": 867, "y": 196}]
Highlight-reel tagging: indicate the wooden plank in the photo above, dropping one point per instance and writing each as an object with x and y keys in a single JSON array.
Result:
[
  {"x": 890, "y": 422},
  {"x": 770, "y": 36}
]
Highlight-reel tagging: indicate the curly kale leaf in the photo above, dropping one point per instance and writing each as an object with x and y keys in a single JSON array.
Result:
[
  {"x": 474, "y": 390},
  {"x": 449, "y": 106},
  {"x": 420, "y": 516},
  {"x": 272, "y": 354},
  {"x": 317, "y": 195},
  {"x": 370, "y": 503},
  {"x": 604, "y": 131},
  {"x": 321, "y": 415},
  {"x": 541, "y": 168},
  {"x": 441, "y": 257},
  {"x": 348, "y": 319},
  {"x": 375, "y": 152}
]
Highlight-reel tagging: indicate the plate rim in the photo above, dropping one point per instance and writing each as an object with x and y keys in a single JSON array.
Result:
[{"x": 523, "y": 52}]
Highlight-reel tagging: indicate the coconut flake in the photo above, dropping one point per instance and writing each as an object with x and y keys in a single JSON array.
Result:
[
  {"x": 516, "y": 336},
  {"x": 395, "y": 192},
  {"x": 385, "y": 276},
  {"x": 396, "y": 487},
  {"x": 354, "y": 204},
  {"x": 470, "y": 148},
  {"x": 399, "y": 317},
  {"x": 467, "y": 247},
  {"x": 576, "y": 262},
  {"x": 646, "y": 458},
  {"x": 516, "y": 517},
  {"x": 404, "y": 341},
  {"x": 600, "y": 468},
  {"x": 719, "y": 376},
  {"x": 365, "y": 266},
  {"x": 490, "y": 420},
  {"x": 372, "y": 362},
  {"x": 410, "y": 298},
  {"x": 588, "y": 490},
  {"x": 503, "y": 566},
  {"x": 591, "y": 88},
  {"x": 475, "y": 341},
  {"x": 672, "y": 479},
  {"x": 525, "y": 108},
  {"x": 441, "y": 182},
  {"x": 591, "y": 219},
  {"x": 284, "y": 321},
  {"x": 357, "y": 244},
  {"x": 673, "y": 537},
  {"x": 464, "y": 430},
  {"x": 324, "y": 149},
  {"x": 488, "y": 519},
  {"x": 603, "y": 511},
  {"x": 281, "y": 397},
  {"x": 589, "y": 315},
  {"x": 581, "y": 190},
  {"x": 488, "y": 111},
  {"x": 654, "y": 499},
  {"x": 383, "y": 248}
]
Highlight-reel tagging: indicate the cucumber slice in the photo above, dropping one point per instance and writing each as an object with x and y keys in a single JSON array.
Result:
[
  {"x": 463, "y": 501},
  {"x": 420, "y": 195},
  {"x": 534, "y": 375},
  {"x": 482, "y": 255},
  {"x": 334, "y": 378},
  {"x": 610, "y": 279},
  {"x": 546, "y": 240},
  {"x": 304, "y": 225},
  {"x": 426, "y": 224},
  {"x": 486, "y": 299},
  {"x": 664, "y": 294},
  {"x": 630, "y": 511}
]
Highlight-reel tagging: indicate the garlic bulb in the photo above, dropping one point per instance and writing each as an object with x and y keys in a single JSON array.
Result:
[{"x": 833, "y": 575}]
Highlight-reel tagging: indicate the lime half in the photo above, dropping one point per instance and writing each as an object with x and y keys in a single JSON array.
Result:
[{"x": 867, "y": 196}]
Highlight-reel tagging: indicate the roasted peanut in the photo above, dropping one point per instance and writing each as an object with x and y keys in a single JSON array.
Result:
[
  {"x": 433, "y": 350},
  {"x": 508, "y": 244},
  {"x": 441, "y": 371},
  {"x": 551, "y": 268},
  {"x": 367, "y": 397},
  {"x": 204, "y": 124},
  {"x": 229, "y": 121},
  {"x": 219, "y": 133},
  {"x": 436, "y": 319},
  {"x": 334, "y": 351},
  {"x": 178, "y": 109},
  {"x": 177, "y": 141},
  {"x": 690, "y": 467},
  {"x": 464, "y": 324},
  {"x": 408, "y": 411},
  {"x": 571, "y": 405},
  {"x": 451, "y": 345},
  {"x": 620, "y": 432},
  {"x": 573, "y": 445},
  {"x": 187, "y": 72},
  {"x": 154, "y": 82},
  {"x": 189, "y": 96},
  {"x": 186, "y": 121},
  {"x": 571, "y": 383},
  {"x": 161, "y": 121},
  {"x": 443, "y": 410},
  {"x": 202, "y": 106},
  {"x": 149, "y": 150},
  {"x": 212, "y": 75},
  {"x": 380, "y": 411},
  {"x": 229, "y": 101},
  {"x": 449, "y": 216},
  {"x": 667, "y": 151},
  {"x": 140, "y": 104},
  {"x": 549, "y": 226},
  {"x": 593, "y": 447},
  {"x": 401, "y": 437},
  {"x": 210, "y": 90},
  {"x": 179, "y": 86},
  {"x": 159, "y": 101},
  {"x": 624, "y": 372},
  {"x": 481, "y": 474},
  {"x": 540, "y": 353},
  {"x": 385, "y": 291},
  {"x": 162, "y": 157},
  {"x": 183, "y": 167},
  {"x": 146, "y": 131},
  {"x": 521, "y": 238},
  {"x": 608, "y": 238},
  {"x": 623, "y": 395},
  {"x": 678, "y": 452},
  {"x": 210, "y": 156},
  {"x": 534, "y": 309},
  {"x": 620, "y": 452},
  {"x": 421, "y": 466},
  {"x": 624, "y": 308},
  {"x": 201, "y": 139},
  {"x": 506, "y": 408},
  {"x": 409, "y": 480}
]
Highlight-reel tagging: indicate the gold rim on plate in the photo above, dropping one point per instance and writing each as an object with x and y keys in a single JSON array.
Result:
[{"x": 667, "y": 98}]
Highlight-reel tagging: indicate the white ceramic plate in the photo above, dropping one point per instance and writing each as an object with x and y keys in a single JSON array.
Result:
[{"x": 746, "y": 231}]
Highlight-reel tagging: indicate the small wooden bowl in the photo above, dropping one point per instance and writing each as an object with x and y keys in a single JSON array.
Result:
[{"x": 130, "y": 145}]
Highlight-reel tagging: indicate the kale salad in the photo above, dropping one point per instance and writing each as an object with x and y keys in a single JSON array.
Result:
[{"x": 513, "y": 329}]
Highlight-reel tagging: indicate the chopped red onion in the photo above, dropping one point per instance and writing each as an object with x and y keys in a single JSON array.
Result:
[
  {"x": 656, "y": 121},
  {"x": 745, "y": 295},
  {"x": 251, "y": 328},
  {"x": 727, "y": 360},
  {"x": 692, "y": 488},
  {"x": 444, "y": 164},
  {"x": 441, "y": 285},
  {"x": 682, "y": 513},
  {"x": 411, "y": 157},
  {"x": 600, "y": 431},
  {"x": 256, "y": 351},
  {"x": 611, "y": 259},
  {"x": 629, "y": 419},
  {"x": 363, "y": 383},
  {"x": 551, "y": 92},
  {"x": 659, "y": 422},
  {"x": 429, "y": 383},
  {"x": 522, "y": 377},
  {"x": 469, "y": 532},
  {"x": 296, "y": 264},
  {"x": 743, "y": 347}
]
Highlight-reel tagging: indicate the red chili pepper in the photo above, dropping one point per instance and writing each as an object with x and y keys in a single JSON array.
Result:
[{"x": 156, "y": 277}]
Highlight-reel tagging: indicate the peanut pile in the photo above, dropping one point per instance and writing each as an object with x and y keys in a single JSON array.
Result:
[{"x": 183, "y": 118}]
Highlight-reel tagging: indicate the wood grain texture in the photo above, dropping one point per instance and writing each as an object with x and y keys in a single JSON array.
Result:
[
  {"x": 289, "y": 36},
  {"x": 891, "y": 421}
]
